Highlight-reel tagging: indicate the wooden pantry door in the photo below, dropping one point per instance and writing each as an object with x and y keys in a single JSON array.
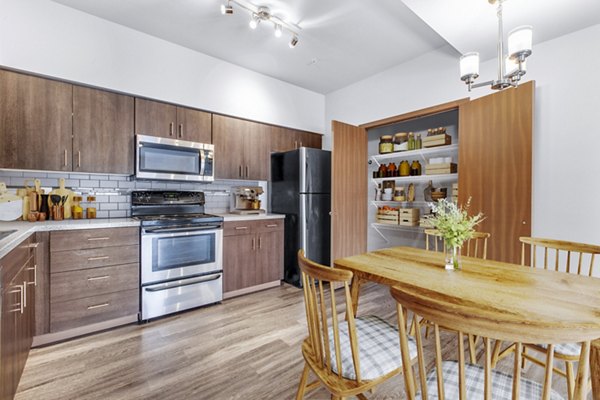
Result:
[
  {"x": 495, "y": 166},
  {"x": 349, "y": 190}
]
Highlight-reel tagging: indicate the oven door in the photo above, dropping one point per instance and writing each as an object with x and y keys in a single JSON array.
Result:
[
  {"x": 175, "y": 253},
  {"x": 171, "y": 159}
]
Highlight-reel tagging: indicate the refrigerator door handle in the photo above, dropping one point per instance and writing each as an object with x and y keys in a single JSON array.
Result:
[
  {"x": 303, "y": 170},
  {"x": 304, "y": 225}
]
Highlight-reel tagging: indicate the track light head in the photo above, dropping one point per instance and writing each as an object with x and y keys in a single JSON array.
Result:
[
  {"x": 278, "y": 30},
  {"x": 226, "y": 9},
  {"x": 254, "y": 21},
  {"x": 293, "y": 42}
]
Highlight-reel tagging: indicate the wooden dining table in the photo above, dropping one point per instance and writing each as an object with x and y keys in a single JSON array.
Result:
[{"x": 560, "y": 307}]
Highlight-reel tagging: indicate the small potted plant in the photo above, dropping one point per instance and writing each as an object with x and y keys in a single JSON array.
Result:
[{"x": 455, "y": 227}]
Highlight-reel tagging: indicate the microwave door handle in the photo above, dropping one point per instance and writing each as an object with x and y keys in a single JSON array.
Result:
[
  {"x": 202, "y": 161},
  {"x": 187, "y": 282}
]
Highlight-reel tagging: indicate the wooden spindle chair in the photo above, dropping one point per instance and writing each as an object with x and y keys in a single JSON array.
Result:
[
  {"x": 457, "y": 379},
  {"x": 563, "y": 256},
  {"x": 349, "y": 356},
  {"x": 474, "y": 247}
]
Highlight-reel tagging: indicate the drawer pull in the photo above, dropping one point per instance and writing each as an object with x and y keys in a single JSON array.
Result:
[
  {"x": 33, "y": 245},
  {"x": 21, "y": 306},
  {"x": 98, "y": 306},
  {"x": 240, "y": 228},
  {"x": 98, "y": 278},
  {"x": 98, "y": 258},
  {"x": 34, "y": 269},
  {"x": 272, "y": 226},
  {"x": 98, "y": 238}
]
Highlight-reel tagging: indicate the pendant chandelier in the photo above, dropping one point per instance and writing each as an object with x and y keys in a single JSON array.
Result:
[{"x": 511, "y": 66}]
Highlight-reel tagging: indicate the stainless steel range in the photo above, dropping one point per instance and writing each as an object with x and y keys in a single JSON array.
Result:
[{"x": 181, "y": 252}]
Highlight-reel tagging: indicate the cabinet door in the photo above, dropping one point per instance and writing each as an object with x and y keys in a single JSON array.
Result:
[
  {"x": 349, "y": 181},
  {"x": 269, "y": 257},
  {"x": 102, "y": 131},
  {"x": 42, "y": 288},
  {"x": 283, "y": 139},
  {"x": 35, "y": 123},
  {"x": 239, "y": 262},
  {"x": 155, "y": 118},
  {"x": 311, "y": 140},
  {"x": 495, "y": 166},
  {"x": 8, "y": 341},
  {"x": 228, "y": 138},
  {"x": 194, "y": 125},
  {"x": 257, "y": 155}
]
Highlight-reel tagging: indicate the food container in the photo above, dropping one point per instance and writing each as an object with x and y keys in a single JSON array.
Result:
[
  {"x": 415, "y": 168},
  {"x": 404, "y": 168},
  {"x": 90, "y": 211},
  {"x": 76, "y": 209},
  {"x": 392, "y": 170},
  {"x": 387, "y": 194},
  {"x": 401, "y": 141},
  {"x": 386, "y": 144},
  {"x": 399, "y": 194}
]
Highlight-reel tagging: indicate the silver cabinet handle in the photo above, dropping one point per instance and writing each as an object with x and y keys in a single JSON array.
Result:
[
  {"x": 246, "y": 171},
  {"x": 65, "y": 157},
  {"x": 171, "y": 129},
  {"x": 78, "y": 158},
  {"x": 98, "y": 258},
  {"x": 295, "y": 144},
  {"x": 180, "y": 130},
  {"x": 18, "y": 288},
  {"x": 253, "y": 244},
  {"x": 240, "y": 173},
  {"x": 272, "y": 226},
  {"x": 260, "y": 242},
  {"x": 241, "y": 228},
  {"x": 98, "y": 278},
  {"x": 98, "y": 306},
  {"x": 98, "y": 238},
  {"x": 33, "y": 245},
  {"x": 24, "y": 295},
  {"x": 34, "y": 283}
]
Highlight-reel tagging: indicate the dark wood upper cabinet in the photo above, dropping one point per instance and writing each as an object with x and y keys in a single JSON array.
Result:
[
  {"x": 194, "y": 125},
  {"x": 166, "y": 120},
  {"x": 155, "y": 118},
  {"x": 102, "y": 121},
  {"x": 35, "y": 123},
  {"x": 241, "y": 148},
  {"x": 286, "y": 139}
]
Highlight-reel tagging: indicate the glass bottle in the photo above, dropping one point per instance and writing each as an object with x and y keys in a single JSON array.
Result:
[
  {"x": 391, "y": 170},
  {"x": 382, "y": 171},
  {"x": 419, "y": 142},
  {"x": 411, "y": 141},
  {"x": 76, "y": 209},
  {"x": 90, "y": 211}
]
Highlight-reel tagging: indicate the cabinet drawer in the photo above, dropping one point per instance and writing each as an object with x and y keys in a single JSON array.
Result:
[
  {"x": 71, "y": 260},
  {"x": 90, "y": 310},
  {"x": 269, "y": 225},
  {"x": 93, "y": 238},
  {"x": 92, "y": 282},
  {"x": 238, "y": 228}
]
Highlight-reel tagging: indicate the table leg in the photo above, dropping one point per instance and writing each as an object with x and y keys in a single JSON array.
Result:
[
  {"x": 595, "y": 368},
  {"x": 355, "y": 291}
]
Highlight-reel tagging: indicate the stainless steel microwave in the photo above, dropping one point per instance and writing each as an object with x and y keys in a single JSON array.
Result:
[{"x": 174, "y": 160}]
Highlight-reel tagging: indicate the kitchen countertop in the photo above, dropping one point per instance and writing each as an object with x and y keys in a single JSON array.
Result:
[
  {"x": 24, "y": 229},
  {"x": 249, "y": 217}
]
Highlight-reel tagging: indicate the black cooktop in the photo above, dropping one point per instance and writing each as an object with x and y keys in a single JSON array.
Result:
[{"x": 168, "y": 208}]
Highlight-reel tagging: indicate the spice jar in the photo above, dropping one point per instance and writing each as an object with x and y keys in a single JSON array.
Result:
[
  {"x": 415, "y": 168},
  {"x": 401, "y": 141},
  {"x": 386, "y": 144},
  {"x": 392, "y": 170},
  {"x": 76, "y": 209},
  {"x": 399, "y": 194},
  {"x": 404, "y": 168},
  {"x": 90, "y": 211},
  {"x": 382, "y": 172},
  {"x": 411, "y": 141},
  {"x": 418, "y": 142}
]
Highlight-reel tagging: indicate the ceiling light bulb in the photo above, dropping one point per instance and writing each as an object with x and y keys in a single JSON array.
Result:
[
  {"x": 293, "y": 42},
  {"x": 278, "y": 30},
  {"x": 254, "y": 21},
  {"x": 520, "y": 42},
  {"x": 469, "y": 66},
  {"x": 226, "y": 9}
]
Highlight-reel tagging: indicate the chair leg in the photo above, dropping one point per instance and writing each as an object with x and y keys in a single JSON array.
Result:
[
  {"x": 302, "y": 385},
  {"x": 570, "y": 379}
]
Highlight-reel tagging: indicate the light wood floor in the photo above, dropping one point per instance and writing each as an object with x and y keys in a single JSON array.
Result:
[{"x": 244, "y": 348}]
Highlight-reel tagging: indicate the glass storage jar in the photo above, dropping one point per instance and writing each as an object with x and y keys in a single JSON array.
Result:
[{"x": 385, "y": 144}]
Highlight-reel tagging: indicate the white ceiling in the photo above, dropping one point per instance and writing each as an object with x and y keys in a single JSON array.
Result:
[{"x": 341, "y": 41}]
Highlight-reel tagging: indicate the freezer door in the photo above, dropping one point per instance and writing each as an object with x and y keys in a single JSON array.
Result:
[
  {"x": 315, "y": 170},
  {"x": 315, "y": 227}
]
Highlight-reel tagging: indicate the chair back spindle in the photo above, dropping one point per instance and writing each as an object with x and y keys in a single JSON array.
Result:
[{"x": 560, "y": 255}]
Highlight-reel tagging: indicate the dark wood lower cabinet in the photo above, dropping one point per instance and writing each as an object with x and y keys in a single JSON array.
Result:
[
  {"x": 17, "y": 323},
  {"x": 252, "y": 255}
]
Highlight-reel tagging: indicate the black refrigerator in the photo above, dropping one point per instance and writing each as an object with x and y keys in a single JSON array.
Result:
[{"x": 301, "y": 189}]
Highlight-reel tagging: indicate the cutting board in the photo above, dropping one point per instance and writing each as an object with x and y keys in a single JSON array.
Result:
[
  {"x": 11, "y": 206},
  {"x": 61, "y": 191}
]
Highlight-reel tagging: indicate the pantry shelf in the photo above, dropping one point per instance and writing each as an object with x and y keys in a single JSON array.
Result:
[
  {"x": 403, "y": 155},
  {"x": 396, "y": 227},
  {"x": 405, "y": 204},
  {"x": 419, "y": 178}
]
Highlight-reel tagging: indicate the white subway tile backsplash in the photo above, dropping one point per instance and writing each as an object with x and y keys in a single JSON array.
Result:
[
  {"x": 101, "y": 214},
  {"x": 108, "y": 184},
  {"x": 72, "y": 183},
  {"x": 10, "y": 173},
  {"x": 143, "y": 185},
  {"x": 109, "y": 206},
  {"x": 126, "y": 184},
  {"x": 124, "y": 206},
  {"x": 102, "y": 199},
  {"x": 159, "y": 185},
  {"x": 99, "y": 177},
  {"x": 34, "y": 174},
  {"x": 79, "y": 176},
  {"x": 89, "y": 183},
  {"x": 117, "y": 177},
  {"x": 117, "y": 214}
]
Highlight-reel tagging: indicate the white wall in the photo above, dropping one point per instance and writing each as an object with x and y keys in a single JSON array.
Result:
[
  {"x": 50, "y": 39},
  {"x": 566, "y": 156}
]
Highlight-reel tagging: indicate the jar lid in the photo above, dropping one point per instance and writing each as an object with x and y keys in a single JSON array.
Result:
[
  {"x": 401, "y": 134},
  {"x": 91, "y": 198},
  {"x": 386, "y": 137},
  {"x": 77, "y": 198}
]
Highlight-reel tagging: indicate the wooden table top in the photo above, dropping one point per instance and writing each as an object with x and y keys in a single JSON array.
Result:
[{"x": 517, "y": 303}]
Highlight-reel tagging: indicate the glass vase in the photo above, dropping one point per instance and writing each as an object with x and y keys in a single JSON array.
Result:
[{"x": 453, "y": 259}]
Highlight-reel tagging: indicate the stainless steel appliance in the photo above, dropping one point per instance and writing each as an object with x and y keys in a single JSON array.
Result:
[
  {"x": 172, "y": 159},
  {"x": 181, "y": 252},
  {"x": 301, "y": 189},
  {"x": 245, "y": 200}
]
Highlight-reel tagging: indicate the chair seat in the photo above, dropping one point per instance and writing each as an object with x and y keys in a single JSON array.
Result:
[
  {"x": 501, "y": 384},
  {"x": 378, "y": 348},
  {"x": 567, "y": 349}
]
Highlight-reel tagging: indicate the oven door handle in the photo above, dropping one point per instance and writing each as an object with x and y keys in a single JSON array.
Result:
[
  {"x": 183, "y": 229},
  {"x": 187, "y": 282}
]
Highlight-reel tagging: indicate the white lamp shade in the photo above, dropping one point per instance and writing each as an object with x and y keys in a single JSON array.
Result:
[
  {"x": 520, "y": 41},
  {"x": 469, "y": 65}
]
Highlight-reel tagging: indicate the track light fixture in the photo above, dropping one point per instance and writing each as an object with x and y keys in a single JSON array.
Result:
[{"x": 261, "y": 13}]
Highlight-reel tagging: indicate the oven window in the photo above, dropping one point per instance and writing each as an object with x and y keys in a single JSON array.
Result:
[
  {"x": 169, "y": 159},
  {"x": 183, "y": 251}
]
